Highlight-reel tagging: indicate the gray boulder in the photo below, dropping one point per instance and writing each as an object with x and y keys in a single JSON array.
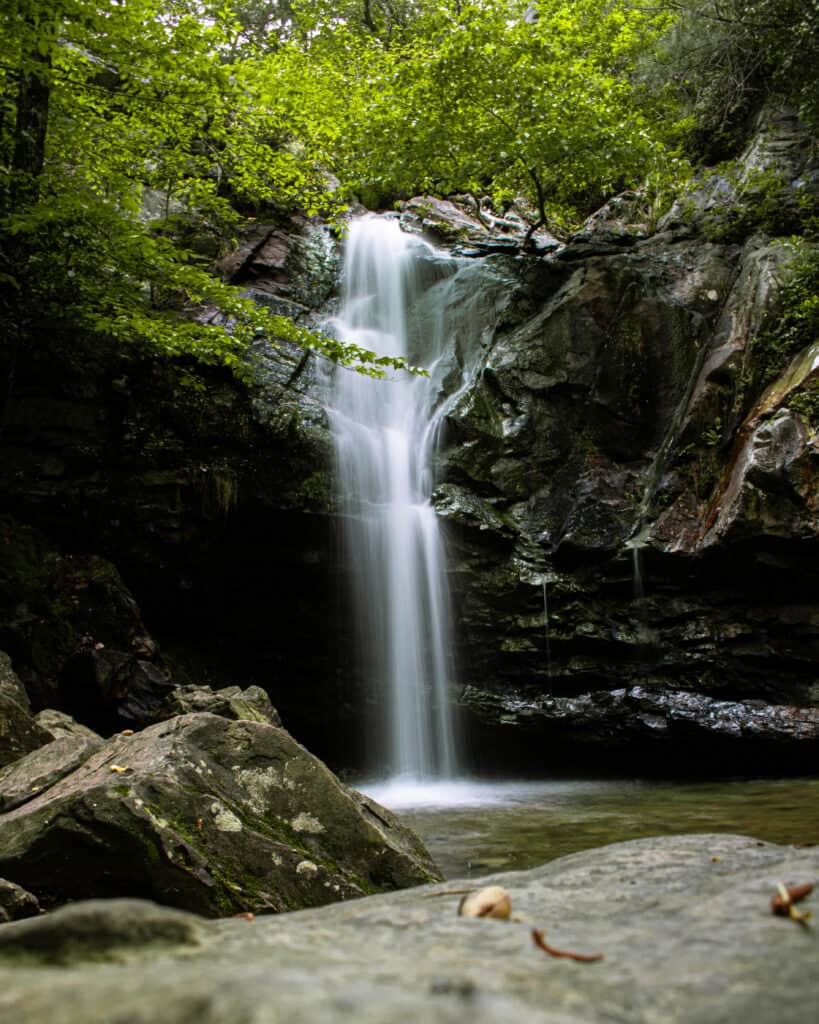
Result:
[
  {"x": 59, "y": 724},
  {"x": 19, "y": 733},
  {"x": 10, "y": 686},
  {"x": 251, "y": 704},
  {"x": 15, "y": 902},
  {"x": 683, "y": 922},
  {"x": 37, "y": 771},
  {"x": 210, "y": 815}
]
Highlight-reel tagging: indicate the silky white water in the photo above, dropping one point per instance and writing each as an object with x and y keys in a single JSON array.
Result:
[{"x": 385, "y": 433}]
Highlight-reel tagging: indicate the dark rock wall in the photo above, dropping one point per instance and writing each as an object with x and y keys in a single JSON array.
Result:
[{"x": 633, "y": 533}]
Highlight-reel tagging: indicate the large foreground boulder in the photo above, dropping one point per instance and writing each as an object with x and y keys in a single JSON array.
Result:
[
  {"x": 684, "y": 924},
  {"x": 210, "y": 815}
]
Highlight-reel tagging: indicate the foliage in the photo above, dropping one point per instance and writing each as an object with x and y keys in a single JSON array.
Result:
[
  {"x": 221, "y": 108},
  {"x": 792, "y": 323},
  {"x": 724, "y": 58},
  {"x": 486, "y": 98},
  {"x": 765, "y": 201},
  {"x": 138, "y": 98}
]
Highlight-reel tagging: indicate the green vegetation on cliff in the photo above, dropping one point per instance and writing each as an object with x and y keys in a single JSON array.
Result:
[{"x": 136, "y": 135}]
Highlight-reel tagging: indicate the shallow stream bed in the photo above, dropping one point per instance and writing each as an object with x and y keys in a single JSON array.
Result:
[{"x": 473, "y": 828}]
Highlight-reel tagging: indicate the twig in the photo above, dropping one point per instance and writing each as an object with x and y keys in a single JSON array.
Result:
[
  {"x": 539, "y": 940},
  {"x": 449, "y": 892}
]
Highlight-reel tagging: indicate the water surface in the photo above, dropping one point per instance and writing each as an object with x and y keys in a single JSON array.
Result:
[{"x": 475, "y": 828}]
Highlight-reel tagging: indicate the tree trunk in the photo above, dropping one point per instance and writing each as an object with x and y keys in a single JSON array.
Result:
[{"x": 28, "y": 157}]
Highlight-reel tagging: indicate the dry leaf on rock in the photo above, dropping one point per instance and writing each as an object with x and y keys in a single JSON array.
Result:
[
  {"x": 786, "y": 896},
  {"x": 539, "y": 939}
]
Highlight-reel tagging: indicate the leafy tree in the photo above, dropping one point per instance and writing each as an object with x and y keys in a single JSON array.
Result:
[
  {"x": 501, "y": 98},
  {"x": 103, "y": 103},
  {"x": 727, "y": 57}
]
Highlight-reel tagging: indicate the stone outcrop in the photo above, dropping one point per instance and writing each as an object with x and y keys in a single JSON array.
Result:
[
  {"x": 251, "y": 704},
  {"x": 655, "y": 731},
  {"x": 625, "y": 507},
  {"x": 203, "y": 813},
  {"x": 684, "y": 925},
  {"x": 16, "y": 903},
  {"x": 19, "y": 731},
  {"x": 76, "y": 633},
  {"x": 38, "y": 770}
]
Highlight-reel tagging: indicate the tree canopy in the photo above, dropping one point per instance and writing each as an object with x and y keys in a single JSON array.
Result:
[{"x": 228, "y": 107}]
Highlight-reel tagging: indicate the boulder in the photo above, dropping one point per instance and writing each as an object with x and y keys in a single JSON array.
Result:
[
  {"x": 58, "y": 723},
  {"x": 19, "y": 732},
  {"x": 38, "y": 770},
  {"x": 111, "y": 689},
  {"x": 210, "y": 815},
  {"x": 100, "y": 929},
  {"x": 683, "y": 924},
  {"x": 75, "y": 632},
  {"x": 15, "y": 902},
  {"x": 251, "y": 704},
  {"x": 10, "y": 686}
]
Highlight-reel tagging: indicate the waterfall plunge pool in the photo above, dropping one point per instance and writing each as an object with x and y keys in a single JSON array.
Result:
[{"x": 474, "y": 828}]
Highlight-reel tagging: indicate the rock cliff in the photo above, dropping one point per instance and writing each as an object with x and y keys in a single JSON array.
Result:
[{"x": 631, "y": 510}]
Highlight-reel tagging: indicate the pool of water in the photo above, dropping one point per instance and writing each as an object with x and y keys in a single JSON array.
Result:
[{"x": 474, "y": 828}]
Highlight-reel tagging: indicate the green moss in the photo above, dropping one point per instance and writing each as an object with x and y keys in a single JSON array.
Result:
[
  {"x": 791, "y": 324},
  {"x": 806, "y": 403},
  {"x": 765, "y": 201}
]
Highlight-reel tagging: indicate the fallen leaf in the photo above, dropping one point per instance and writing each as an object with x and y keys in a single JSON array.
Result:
[
  {"x": 539, "y": 939},
  {"x": 120, "y": 768},
  {"x": 490, "y": 902},
  {"x": 783, "y": 902},
  {"x": 127, "y": 732}
]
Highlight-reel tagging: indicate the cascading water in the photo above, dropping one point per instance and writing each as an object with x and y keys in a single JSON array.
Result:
[{"x": 385, "y": 434}]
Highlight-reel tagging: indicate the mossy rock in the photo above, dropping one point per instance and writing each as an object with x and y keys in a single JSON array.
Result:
[{"x": 209, "y": 815}]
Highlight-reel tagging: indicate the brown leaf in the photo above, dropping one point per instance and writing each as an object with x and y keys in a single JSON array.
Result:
[
  {"x": 783, "y": 902},
  {"x": 539, "y": 939}
]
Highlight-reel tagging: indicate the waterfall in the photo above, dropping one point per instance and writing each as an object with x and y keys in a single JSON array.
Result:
[{"x": 385, "y": 434}]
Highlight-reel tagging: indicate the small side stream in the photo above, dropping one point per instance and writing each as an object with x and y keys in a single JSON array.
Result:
[{"x": 475, "y": 828}]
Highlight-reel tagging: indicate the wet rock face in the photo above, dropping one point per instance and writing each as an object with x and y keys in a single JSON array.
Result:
[
  {"x": 619, "y": 516},
  {"x": 626, "y": 513},
  {"x": 205, "y": 814},
  {"x": 622, "y": 511},
  {"x": 658, "y": 731},
  {"x": 209, "y": 497}
]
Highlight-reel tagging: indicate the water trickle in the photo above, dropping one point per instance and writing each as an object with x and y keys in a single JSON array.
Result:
[
  {"x": 637, "y": 573},
  {"x": 546, "y": 627},
  {"x": 385, "y": 434}
]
